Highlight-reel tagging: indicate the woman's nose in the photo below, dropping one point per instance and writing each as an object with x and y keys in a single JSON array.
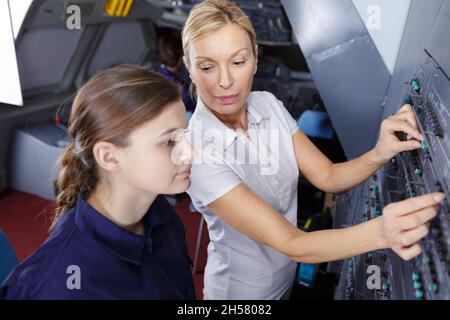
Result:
[
  {"x": 184, "y": 152},
  {"x": 226, "y": 80},
  {"x": 187, "y": 153}
]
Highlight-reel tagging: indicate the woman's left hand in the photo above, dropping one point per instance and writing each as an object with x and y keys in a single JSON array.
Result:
[{"x": 389, "y": 144}]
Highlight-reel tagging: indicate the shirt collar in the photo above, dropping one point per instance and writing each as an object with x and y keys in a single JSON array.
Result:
[
  {"x": 210, "y": 121},
  {"x": 123, "y": 243}
]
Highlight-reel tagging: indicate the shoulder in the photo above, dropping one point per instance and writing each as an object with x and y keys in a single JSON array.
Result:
[
  {"x": 28, "y": 279},
  {"x": 262, "y": 96},
  {"x": 265, "y": 102}
]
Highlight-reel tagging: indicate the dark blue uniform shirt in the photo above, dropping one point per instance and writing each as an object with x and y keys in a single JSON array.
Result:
[{"x": 87, "y": 256}]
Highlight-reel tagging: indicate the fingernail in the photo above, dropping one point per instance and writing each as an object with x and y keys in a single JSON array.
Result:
[{"x": 439, "y": 197}]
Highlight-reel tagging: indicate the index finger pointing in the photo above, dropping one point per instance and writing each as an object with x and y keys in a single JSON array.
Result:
[
  {"x": 405, "y": 107},
  {"x": 413, "y": 204}
]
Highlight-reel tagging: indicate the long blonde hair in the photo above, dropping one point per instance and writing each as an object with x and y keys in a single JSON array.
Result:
[{"x": 211, "y": 15}]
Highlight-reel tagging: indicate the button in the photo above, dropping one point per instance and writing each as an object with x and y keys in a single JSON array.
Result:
[
  {"x": 415, "y": 86},
  {"x": 149, "y": 243},
  {"x": 418, "y": 172},
  {"x": 265, "y": 163},
  {"x": 407, "y": 99},
  {"x": 419, "y": 294},
  {"x": 434, "y": 287}
]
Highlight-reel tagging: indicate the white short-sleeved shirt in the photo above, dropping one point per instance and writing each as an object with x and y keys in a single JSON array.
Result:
[{"x": 237, "y": 266}]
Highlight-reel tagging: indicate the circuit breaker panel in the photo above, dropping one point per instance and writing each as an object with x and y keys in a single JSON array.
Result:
[{"x": 408, "y": 175}]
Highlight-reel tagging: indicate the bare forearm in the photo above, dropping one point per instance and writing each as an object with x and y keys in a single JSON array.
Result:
[
  {"x": 330, "y": 245},
  {"x": 346, "y": 175}
]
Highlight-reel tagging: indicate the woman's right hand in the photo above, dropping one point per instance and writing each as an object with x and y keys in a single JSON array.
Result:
[{"x": 404, "y": 223}]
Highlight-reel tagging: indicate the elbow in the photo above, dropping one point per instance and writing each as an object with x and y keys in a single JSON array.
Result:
[
  {"x": 301, "y": 259},
  {"x": 299, "y": 248},
  {"x": 329, "y": 187},
  {"x": 305, "y": 259},
  {"x": 295, "y": 248},
  {"x": 327, "y": 183}
]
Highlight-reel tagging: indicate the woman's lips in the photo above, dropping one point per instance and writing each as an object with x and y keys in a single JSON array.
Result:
[
  {"x": 184, "y": 174},
  {"x": 228, "y": 99}
]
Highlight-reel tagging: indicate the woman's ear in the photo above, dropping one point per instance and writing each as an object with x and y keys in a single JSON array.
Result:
[{"x": 106, "y": 155}]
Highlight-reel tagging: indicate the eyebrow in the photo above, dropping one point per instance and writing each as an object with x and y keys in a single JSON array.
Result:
[
  {"x": 206, "y": 58},
  {"x": 168, "y": 131}
]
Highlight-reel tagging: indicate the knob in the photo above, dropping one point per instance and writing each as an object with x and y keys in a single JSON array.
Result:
[
  {"x": 407, "y": 99},
  {"x": 419, "y": 294},
  {"x": 434, "y": 287},
  {"x": 417, "y": 285},
  {"x": 415, "y": 86}
]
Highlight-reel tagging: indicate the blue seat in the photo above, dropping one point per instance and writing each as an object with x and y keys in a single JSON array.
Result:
[
  {"x": 8, "y": 258},
  {"x": 316, "y": 124}
]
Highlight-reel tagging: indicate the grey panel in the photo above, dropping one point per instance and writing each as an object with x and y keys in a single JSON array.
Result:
[
  {"x": 123, "y": 42},
  {"x": 409, "y": 174},
  {"x": 47, "y": 13},
  {"x": 439, "y": 46},
  {"x": 346, "y": 66},
  {"x": 34, "y": 152},
  {"x": 421, "y": 18},
  {"x": 43, "y": 56}
]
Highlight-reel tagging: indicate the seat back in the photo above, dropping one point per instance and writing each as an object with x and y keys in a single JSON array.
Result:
[{"x": 8, "y": 258}]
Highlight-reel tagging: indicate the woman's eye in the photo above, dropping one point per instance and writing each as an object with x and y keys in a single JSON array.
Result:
[
  {"x": 237, "y": 63},
  {"x": 170, "y": 142},
  {"x": 205, "y": 68}
]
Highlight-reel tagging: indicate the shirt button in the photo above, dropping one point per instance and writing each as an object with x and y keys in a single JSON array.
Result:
[{"x": 149, "y": 242}]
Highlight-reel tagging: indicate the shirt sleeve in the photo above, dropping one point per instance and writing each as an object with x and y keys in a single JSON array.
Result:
[
  {"x": 210, "y": 181},
  {"x": 14, "y": 292},
  {"x": 282, "y": 112}
]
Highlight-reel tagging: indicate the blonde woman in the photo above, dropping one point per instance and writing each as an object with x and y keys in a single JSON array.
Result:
[{"x": 250, "y": 206}]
